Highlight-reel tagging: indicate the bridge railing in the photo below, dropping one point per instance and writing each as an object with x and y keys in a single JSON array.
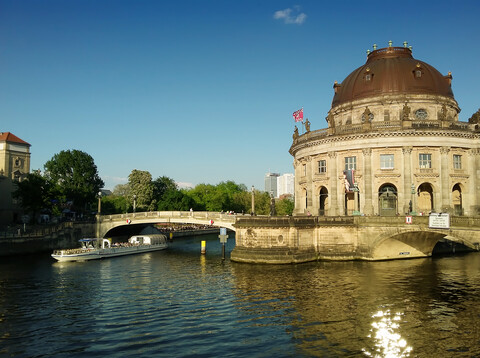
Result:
[{"x": 199, "y": 215}]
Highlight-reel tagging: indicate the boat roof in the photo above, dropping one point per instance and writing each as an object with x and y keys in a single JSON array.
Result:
[{"x": 87, "y": 240}]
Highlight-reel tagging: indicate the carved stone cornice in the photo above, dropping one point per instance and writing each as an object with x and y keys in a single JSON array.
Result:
[
  {"x": 426, "y": 175},
  {"x": 332, "y": 155},
  {"x": 320, "y": 178},
  {"x": 387, "y": 175},
  {"x": 384, "y": 134},
  {"x": 460, "y": 176}
]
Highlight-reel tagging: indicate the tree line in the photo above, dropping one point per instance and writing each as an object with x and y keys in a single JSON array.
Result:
[{"x": 70, "y": 183}]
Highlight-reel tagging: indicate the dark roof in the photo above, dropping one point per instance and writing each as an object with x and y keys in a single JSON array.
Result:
[
  {"x": 9, "y": 137},
  {"x": 392, "y": 70}
]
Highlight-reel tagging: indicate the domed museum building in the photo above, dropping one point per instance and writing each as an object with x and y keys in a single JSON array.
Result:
[{"x": 394, "y": 145}]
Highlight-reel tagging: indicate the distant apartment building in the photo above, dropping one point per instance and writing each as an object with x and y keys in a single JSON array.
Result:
[
  {"x": 285, "y": 184},
  {"x": 271, "y": 183}
]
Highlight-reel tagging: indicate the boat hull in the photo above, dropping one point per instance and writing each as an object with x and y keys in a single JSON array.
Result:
[{"x": 107, "y": 252}]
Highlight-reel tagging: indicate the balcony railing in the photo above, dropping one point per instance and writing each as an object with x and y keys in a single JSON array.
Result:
[{"x": 380, "y": 126}]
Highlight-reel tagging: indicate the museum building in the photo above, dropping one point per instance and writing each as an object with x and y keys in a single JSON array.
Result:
[{"x": 394, "y": 145}]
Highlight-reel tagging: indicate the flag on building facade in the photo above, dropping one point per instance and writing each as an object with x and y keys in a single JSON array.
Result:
[
  {"x": 349, "y": 178},
  {"x": 298, "y": 115}
]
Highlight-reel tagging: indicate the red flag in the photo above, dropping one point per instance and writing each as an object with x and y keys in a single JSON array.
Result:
[{"x": 298, "y": 115}]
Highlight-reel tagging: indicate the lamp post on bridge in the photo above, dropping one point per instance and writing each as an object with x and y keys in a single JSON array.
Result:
[
  {"x": 99, "y": 202},
  {"x": 134, "y": 202},
  {"x": 98, "y": 213},
  {"x": 253, "y": 200}
]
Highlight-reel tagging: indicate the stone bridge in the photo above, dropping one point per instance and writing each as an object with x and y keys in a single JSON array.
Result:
[
  {"x": 108, "y": 222},
  {"x": 291, "y": 239},
  {"x": 302, "y": 238}
]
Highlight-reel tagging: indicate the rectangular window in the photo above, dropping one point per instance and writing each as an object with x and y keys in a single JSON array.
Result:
[
  {"x": 386, "y": 115},
  {"x": 386, "y": 161},
  {"x": 322, "y": 166},
  {"x": 304, "y": 169},
  {"x": 457, "y": 161},
  {"x": 425, "y": 161},
  {"x": 350, "y": 163}
]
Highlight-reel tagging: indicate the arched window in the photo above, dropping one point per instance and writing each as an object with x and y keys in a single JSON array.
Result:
[
  {"x": 457, "y": 199},
  {"x": 323, "y": 197}
]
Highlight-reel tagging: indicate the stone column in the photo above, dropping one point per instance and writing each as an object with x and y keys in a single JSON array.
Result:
[
  {"x": 309, "y": 177},
  {"x": 333, "y": 192},
  {"x": 298, "y": 188},
  {"x": 368, "y": 184},
  {"x": 445, "y": 204},
  {"x": 407, "y": 180}
]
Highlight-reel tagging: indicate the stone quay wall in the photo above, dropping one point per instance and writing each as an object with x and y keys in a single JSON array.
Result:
[
  {"x": 295, "y": 239},
  {"x": 63, "y": 236}
]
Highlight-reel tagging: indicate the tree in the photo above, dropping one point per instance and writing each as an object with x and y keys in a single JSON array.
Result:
[
  {"x": 114, "y": 204},
  {"x": 161, "y": 185},
  {"x": 141, "y": 190},
  {"x": 33, "y": 193},
  {"x": 285, "y": 206},
  {"x": 121, "y": 190},
  {"x": 174, "y": 199},
  {"x": 73, "y": 175}
]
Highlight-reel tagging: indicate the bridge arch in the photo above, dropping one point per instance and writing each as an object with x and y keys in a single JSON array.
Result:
[
  {"x": 214, "y": 219},
  {"x": 416, "y": 242}
]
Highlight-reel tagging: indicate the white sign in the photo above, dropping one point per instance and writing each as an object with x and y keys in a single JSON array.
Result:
[
  {"x": 223, "y": 231},
  {"x": 439, "y": 221},
  {"x": 408, "y": 219}
]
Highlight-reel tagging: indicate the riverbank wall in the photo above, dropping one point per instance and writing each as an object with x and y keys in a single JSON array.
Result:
[
  {"x": 296, "y": 239},
  {"x": 46, "y": 239},
  {"x": 66, "y": 236}
]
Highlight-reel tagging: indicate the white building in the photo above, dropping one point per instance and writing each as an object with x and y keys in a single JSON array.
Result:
[{"x": 285, "y": 184}]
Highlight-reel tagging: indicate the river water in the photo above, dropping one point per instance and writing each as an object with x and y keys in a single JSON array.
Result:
[{"x": 178, "y": 303}]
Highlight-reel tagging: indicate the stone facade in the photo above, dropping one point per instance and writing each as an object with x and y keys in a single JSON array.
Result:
[
  {"x": 394, "y": 122},
  {"x": 14, "y": 166}
]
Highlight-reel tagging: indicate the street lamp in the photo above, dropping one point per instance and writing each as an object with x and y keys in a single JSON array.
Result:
[
  {"x": 99, "y": 202},
  {"x": 253, "y": 200},
  {"x": 134, "y": 203}
]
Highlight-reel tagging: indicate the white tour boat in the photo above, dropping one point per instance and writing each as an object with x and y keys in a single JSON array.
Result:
[{"x": 91, "y": 250}]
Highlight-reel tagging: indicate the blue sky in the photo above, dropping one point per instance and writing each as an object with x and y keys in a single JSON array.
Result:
[{"x": 203, "y": 91}]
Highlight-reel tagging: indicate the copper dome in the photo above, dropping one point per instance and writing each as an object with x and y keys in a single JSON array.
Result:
[{"x": 392, "y": 70}]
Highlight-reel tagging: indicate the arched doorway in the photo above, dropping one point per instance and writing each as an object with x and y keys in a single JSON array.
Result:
[
  {"x": 457, "y": 200},
  {"x": 323, "y": 197},
  {"x": 387, "y": 200},
  {"x": 425, "y": 198}
]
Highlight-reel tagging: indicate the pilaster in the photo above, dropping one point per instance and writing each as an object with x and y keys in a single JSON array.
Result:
[
  {"x": 333, "y": 195},
  {"x": 368, "y": 191},
  {"x": 445, "y": 204},
  {"x": 408, "y": 180}
]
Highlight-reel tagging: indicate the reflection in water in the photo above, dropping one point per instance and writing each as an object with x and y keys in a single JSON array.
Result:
[
  {"x": 388, "y": 342},
  {"x": 180, "y": 303}
]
